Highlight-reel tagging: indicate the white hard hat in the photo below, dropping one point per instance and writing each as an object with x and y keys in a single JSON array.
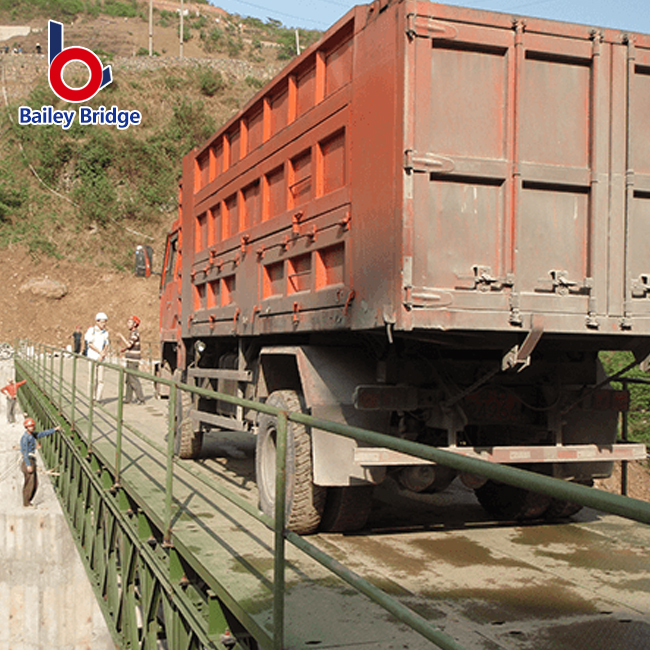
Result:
[{"x": 101, "y": 316}]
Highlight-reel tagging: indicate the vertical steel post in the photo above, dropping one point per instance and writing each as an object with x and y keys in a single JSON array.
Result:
[
  {"x": 120, "y": 422},
  {"x": 624, "y": 436},
  {"x": 280, "y": 514},
  {"x": 91, "y": 402},
  {"x": 41, "y": 363},
  {"x": 169, "y": 481},
  {"x": 61, "y": 382},
  {"x": 73, "y": 397},
  {"x": 51, "y": 391}
]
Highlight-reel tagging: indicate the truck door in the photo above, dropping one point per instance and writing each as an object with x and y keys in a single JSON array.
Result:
[
  {"x": 509, "y": 156},
  {"x": 637, "y": 185},
  {"x": 170, "y": 294}
]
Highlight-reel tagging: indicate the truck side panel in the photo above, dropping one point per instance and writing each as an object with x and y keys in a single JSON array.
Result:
[{"x": 269, "y": 218}]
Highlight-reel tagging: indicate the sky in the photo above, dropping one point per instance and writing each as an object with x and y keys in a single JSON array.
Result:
[{"x": 628, "y": 15}]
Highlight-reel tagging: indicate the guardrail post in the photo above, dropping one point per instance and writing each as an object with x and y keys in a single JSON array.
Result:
[
  {"x": 37, "y": 361},
  {"x": 280, "y": 514},
  {"x": 73, "y": 397},
  {"x": 171, "y": 428},
  {"x": 92, "y": 368},
  {"x": 120, "y": 419},
  {"x": 61, "y": 382},
  {"x": 624, "y": 436},
  {"x": 51, "y": 392}
]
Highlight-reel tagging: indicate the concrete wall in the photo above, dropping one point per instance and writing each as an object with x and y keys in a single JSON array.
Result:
[
  {"x": 46, "y": 602},
  {"x": 13, "y": 31}
]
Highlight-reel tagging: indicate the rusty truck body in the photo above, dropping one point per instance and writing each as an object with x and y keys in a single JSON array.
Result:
[{"x": 429, "y": 224}]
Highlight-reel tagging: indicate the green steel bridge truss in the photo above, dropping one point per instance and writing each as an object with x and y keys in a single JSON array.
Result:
[{"x": 150, "y": 591}]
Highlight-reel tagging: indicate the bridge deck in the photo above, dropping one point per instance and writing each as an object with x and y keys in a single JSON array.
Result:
[{"x": 581, "y": 585}]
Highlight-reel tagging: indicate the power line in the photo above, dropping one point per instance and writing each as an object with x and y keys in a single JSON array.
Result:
[
  {"x": 280, "y": 13},
  {"x": 532, "y": 4},
  {"x": 336, "y": 4}
]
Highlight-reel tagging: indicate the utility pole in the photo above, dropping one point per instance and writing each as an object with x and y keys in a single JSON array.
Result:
[
  {"x": 181, "y": 30},
  {"x": 297, "y": 43},
  {"x": 150, "y": 27}
]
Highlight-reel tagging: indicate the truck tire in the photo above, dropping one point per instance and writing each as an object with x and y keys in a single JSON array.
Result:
[
  {"x": 561, "y": 509},
  {"x": 509, "y": 502},
  {"x": 305, "y": 501},
  {"x": 187, "y": 440},
  {"x": 347, "y": 508}
]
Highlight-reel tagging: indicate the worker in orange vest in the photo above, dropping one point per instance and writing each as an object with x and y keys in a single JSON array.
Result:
[{"x": 11, "y": 391}]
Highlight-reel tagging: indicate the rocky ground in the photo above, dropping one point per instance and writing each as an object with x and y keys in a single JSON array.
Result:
[
  {"x": 44, "y": 299},
  {"x": 638, "y": 480}
]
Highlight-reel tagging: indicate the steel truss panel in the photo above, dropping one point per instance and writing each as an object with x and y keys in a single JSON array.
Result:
[{"x": 145, "y": 591}]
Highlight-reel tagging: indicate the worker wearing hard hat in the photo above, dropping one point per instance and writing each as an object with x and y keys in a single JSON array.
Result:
[
  {"x": 28, "y": 452},
  {"x": 98, "y": 345},
  {"x": 132, "y": 354}
]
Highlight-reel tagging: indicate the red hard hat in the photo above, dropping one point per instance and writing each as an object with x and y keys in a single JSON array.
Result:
[
  {"x": 136, "y": 320},
  {"x": 29, "y": 422}
]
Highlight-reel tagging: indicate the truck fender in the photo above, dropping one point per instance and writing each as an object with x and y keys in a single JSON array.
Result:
[{"x": 327, "y": 378}]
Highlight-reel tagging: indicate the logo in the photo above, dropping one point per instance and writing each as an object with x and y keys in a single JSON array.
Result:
[
  {"x": 59, "y": 57},
  {"x": 99, "y": 77}
]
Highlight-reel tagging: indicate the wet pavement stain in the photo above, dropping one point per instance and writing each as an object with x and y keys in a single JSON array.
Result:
[
  {"x": 608, "y": 634},
  {"x": 517, "y": 604},
  {"x": 584, "y": 549},
  {"x": 557, "y": 534},
  {"x": 394, "y": 558},
  {"x": 461, "y": 552},
  {"x": 643, "y": 584},
  {"x": 603, "y": 559},
  {"x": 244, "y": 562}
]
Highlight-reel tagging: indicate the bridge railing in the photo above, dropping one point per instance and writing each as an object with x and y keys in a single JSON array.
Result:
[{"x": 45, "y": 366}]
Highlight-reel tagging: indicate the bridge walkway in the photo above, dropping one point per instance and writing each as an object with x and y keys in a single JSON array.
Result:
[{"x": 579, "y": 585}]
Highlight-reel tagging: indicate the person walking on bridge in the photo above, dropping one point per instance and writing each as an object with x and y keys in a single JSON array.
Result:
[
  {"x": 98, "y": 346},
  {"x": 11, "y": 391},
  {"x": 28, "y": 452},
  {"x": 132, "y": 354}
]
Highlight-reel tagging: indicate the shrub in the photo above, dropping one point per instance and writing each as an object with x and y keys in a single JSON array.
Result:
[
  {"x": 639, "y": 414},
  {"x": 121, "y": 9},
  {"x": 253, "y": 82},
  {"x": 214, "y": 41},
  {"x": 210, "y": 81},
  {"x": 95, "y": 194},
  {"x": 13, "y": 194},
  {"x": 287, "y": 42},
  {"x": 144, "y": 51},
  {"x": 173, "y": 83},
  {"x": 234, "y": 46},
  {"x": 199, "y": 23}
]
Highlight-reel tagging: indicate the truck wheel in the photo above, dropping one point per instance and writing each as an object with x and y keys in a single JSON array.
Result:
[
  {"x": 347, "y": 508},
  {"x": 304, "y": 501},
  {"x": 509, "y": 502},
  {"x": 561, "y": 509},
  {"x": 187, "y": 441}
]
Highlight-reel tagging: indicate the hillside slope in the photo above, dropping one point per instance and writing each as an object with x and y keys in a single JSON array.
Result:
[{"x": 74, "y": 204}]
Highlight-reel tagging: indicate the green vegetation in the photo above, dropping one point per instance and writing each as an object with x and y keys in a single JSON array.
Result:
[
  {"x": 253, "y": 82},
  {"x": 13, "y": 192},
  {"x": 210, "y": 81},
  {"x": 65, "y": 9},
  {"x": 127, "y": 9},
  {"x": 55, "y": 9},
  {"x": 90, "y": 190},
  {"x": 639, "y": 415},
  {"x": 231, "y": 36},
  {"x": 143, "y": 51},
  {"x": 99, "y": 179}
]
